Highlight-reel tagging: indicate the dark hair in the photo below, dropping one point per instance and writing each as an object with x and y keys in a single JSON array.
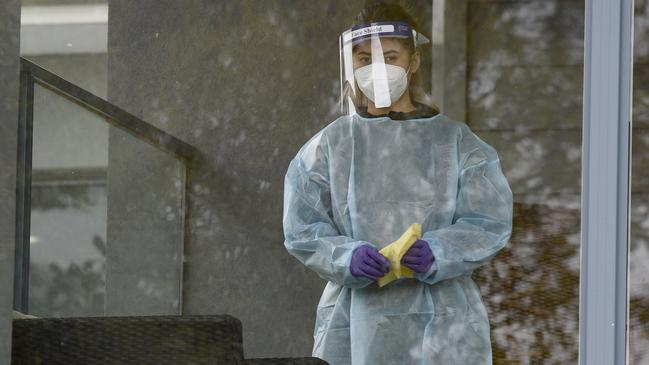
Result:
[{"x": 379, "y": 11}]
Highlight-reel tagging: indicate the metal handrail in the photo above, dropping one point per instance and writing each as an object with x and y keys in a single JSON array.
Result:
[{"x": 114, "y": 114}]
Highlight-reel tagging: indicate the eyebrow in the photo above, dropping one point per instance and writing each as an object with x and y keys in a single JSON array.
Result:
[{"x": 392, "y": 51}]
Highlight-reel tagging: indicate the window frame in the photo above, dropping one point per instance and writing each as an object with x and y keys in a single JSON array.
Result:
[{"x": 606, "y": 170}]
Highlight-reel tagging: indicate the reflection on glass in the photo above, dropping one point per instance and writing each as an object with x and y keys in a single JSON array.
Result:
[
  {"x": 511, "y": 69},
  {"x": 106, "y": 231},
  {"x": 145, "y": 228},
  {"x": 639, "y": 244},
  {"x": 524, "y": 71},
  {"x": 523, "y": 65},
  {"x": 68, "y": 212},
  {"x": 68, "y": 243},
  {"x": 69, "y": 198},
  {"x": 69, "y": 38}
]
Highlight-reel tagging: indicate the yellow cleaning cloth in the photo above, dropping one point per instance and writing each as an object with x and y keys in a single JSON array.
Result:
[{"x": 395, "y": 251}]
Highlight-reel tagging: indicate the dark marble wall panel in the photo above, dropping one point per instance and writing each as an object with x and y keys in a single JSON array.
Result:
[
  {"x": 639, "y": 278},
  {"x": 528, "y": 32},
  {"x": 144, "y": 228},
  {"x": 641, "y": 91},
  {"x": 525, "y": 97},
  {"x": 540, "y": 163},
  {"x": 639, "y": 245},
  {"x": 247, "y": 83},
  {"x": 9, "y": 71},
  {"x": 641, "y": 31},
  {"x": 640, "y": 161},
  {"x": 525, "y": 86}
]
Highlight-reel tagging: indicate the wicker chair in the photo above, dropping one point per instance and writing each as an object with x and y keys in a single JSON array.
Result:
[
  {"x": 192, "y": 339},
  {"x": 286, "y": 361}
]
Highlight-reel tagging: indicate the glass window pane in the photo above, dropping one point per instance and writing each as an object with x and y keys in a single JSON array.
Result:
[
  {"x": 639, "y": 245},
  {"x": 106, "y": 217},
  {"x": 488, "y": 135},
  {"x": 69, "y": 38},
  {"x": 525, "y": 71},
  {"x": 68, "y": 209}
]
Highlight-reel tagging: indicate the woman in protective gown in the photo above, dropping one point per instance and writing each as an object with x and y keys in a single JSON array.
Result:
[{"x": 363, "y": 179}]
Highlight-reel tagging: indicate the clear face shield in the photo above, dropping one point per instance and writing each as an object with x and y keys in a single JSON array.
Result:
[{"x": 376, "y": 64}]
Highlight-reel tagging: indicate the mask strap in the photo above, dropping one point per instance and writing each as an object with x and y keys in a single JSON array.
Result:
[{"x": 407, "y": 71}]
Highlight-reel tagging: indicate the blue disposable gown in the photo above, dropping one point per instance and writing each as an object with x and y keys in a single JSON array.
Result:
[{"x": 364, "y": 181}]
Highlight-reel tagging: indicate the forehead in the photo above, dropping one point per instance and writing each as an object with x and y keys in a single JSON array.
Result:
[{"x": 386, "y": 43}]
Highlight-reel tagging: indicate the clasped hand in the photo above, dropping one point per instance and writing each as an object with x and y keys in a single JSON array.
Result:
[{"x": 367, "y": 261}]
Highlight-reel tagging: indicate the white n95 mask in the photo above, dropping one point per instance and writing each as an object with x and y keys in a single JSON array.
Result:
[{"x": 382, "y": 83}]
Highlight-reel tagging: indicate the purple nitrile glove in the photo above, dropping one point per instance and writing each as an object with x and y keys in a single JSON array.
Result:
[
  {"x": 419, "y": 256},
  {"x": 369, "y": 262}
]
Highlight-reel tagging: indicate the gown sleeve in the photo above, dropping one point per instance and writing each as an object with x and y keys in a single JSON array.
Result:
[
  {"x": 482, "y": 224},
  {"x": 310, "y": 233}
]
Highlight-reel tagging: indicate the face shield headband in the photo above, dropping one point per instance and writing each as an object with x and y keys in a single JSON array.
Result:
[{"x": 363, "y": 32}]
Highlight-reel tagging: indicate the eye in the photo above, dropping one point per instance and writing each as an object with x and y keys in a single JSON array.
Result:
[
  {"x": 391, "y": 59},
  {"x": 365, "y": 60}
]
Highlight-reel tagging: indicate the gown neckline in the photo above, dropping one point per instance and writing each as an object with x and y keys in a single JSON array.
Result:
[{"x": 421, "y": 111}]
